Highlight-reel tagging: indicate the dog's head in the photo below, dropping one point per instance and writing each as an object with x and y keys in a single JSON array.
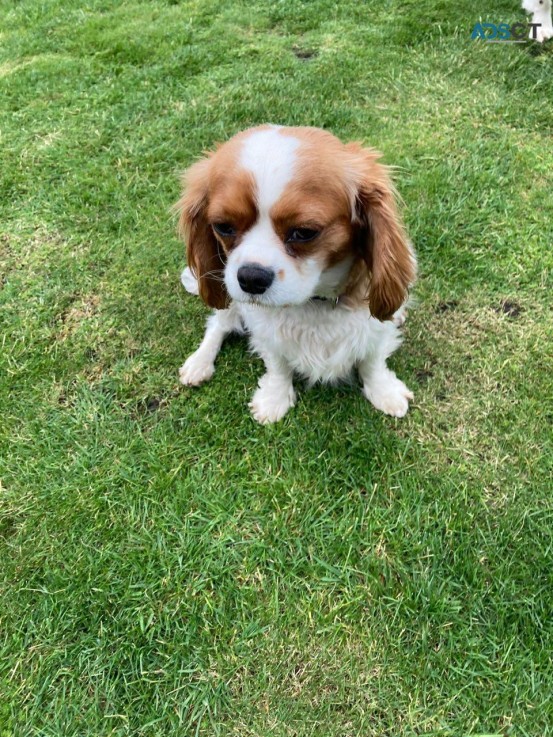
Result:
[{"x": 278, "y": 215}]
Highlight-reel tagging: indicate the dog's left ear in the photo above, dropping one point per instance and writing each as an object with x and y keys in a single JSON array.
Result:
[
  {"x": 204, "y": 255},
  {"x": 382, "y": 242}
]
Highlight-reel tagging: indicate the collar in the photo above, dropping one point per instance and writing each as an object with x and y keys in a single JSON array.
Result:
[{"x": 334, "y": 301}]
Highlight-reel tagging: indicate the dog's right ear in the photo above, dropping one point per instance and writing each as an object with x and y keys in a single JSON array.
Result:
[{"x": 204, "y": 255}]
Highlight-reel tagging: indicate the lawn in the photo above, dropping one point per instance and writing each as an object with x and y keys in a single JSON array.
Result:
[{"x": 169, "y": 567}]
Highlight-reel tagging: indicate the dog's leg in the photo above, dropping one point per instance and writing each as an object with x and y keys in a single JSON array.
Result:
[
  {"x": 275, "y": 394},
  {"x": 380, "y": 385},
  {"x": 199, "y": 367}
]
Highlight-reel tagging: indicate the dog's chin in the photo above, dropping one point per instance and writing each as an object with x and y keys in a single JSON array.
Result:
[{"x": 268, "y": 300}]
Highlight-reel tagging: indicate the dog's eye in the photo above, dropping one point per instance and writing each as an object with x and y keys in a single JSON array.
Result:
[
  {"x": 301, "y": 235},
  {"x": 225, "y": 230}
]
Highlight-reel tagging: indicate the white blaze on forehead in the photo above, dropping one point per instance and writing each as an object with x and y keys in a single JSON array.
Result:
[{"x": 271, "y": 157}]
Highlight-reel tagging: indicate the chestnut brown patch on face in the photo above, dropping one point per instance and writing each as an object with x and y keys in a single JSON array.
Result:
[
  {"x": 357, "y": 199},
  {"x": 317, "y": 199},
  {"x": 231, "y": 202},
  {"x": 215, "y": 190}
]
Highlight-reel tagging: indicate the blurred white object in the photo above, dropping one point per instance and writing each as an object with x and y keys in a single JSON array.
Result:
[
  {"x": 541, "y": 14},
  {"x": 189, "y": 281}
]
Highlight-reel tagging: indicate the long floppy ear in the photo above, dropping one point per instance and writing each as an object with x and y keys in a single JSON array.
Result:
[
  {"x": 204, "y": 255},
  {"x": 382, "y": 243}
]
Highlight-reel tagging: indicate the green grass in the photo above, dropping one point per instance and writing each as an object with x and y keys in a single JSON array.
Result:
[{"x": 168, "y": 566}]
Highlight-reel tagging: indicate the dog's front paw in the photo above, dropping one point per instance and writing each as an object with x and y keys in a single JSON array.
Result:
[
  {"x": 272, "y": 401},
  {"x": 195, "y": 370},
  {"x": 388, "y": 394}
]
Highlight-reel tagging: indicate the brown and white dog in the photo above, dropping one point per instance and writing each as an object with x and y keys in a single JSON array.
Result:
[{"x": 293, "y": 237}]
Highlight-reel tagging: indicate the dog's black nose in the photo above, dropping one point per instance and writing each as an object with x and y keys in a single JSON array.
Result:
[{"x": 255, "y": 279}]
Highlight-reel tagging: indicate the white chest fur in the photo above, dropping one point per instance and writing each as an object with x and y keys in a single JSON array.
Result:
[{"x": 318, "y": 340}]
